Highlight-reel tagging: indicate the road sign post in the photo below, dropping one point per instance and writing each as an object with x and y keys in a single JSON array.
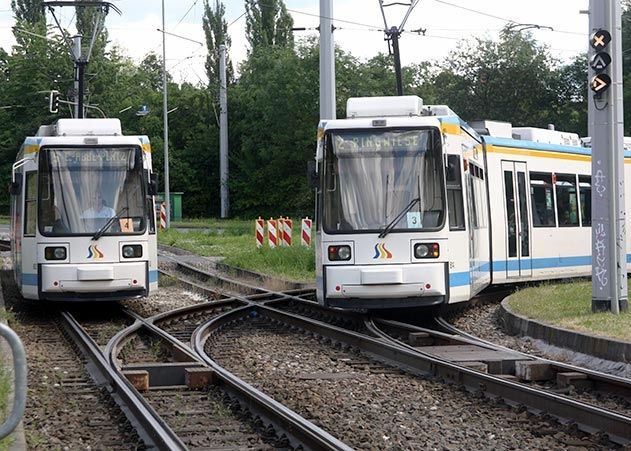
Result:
[{"x": 609, "y": 275}]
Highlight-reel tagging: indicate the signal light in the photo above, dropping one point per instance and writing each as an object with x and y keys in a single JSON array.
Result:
[
  {"x": 339, "y": 253},
  {"x": 55, "y": 253},
  {"x": 53, "y": 101},
  {"x": 132, "y": 251},
  {"x": 426, "y": 250}
]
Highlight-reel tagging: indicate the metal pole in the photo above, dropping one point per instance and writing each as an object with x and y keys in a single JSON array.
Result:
[
  {"x": 618, "y": 130},
  {"x": 78, "y": 74},
  {"x": 223, "y": 133},
  {"x": 327, "y": 61},
  {"x": 394, "y": 34},
  {"x": 80, "y": 95},
  {"x": 609, "y": 287},
  {"x": 167, "y": 194}
]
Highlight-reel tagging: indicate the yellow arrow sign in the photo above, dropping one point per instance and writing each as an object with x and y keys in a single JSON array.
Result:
[{"x": 600, "y": 83}]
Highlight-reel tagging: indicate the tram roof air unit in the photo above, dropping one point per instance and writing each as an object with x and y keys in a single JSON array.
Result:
[
  {"x": 549, "y": 136},
  {"x": 88, "y": 127},
  {"x": 357, "y": 107}
]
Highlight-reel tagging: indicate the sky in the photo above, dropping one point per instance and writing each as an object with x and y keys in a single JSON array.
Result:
[{"x": 359, "y": 25}]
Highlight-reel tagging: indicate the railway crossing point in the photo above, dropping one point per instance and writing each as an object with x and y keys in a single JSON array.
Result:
[
  {"x": 260, "y": 232},
  {"x": 272, "y": 236},
  {"x": 305, "y": 234},
  {"x": 163, "y": 216}
]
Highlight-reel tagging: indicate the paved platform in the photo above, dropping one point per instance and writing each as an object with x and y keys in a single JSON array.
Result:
[{"x": 597, "y": 346}]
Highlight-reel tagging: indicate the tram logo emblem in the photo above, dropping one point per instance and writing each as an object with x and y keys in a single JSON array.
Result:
[
  {"x": 94, "y": 252},
  {"x": 381, "y": 252}
]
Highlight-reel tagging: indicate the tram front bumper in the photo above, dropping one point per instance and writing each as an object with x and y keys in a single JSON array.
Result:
[
  {"x": 95, "y": 278},
  {"x": 386, "y": 281}
]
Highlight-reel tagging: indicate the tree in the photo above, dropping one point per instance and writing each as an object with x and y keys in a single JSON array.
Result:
[
  {"x": 268, "y": 24},
  {"x": 274, "y": 115},
  {"x": 30, "y": 11},
  {"x": 571, "y": 103},
  {"x": 511, "y": 80},
  {"x": 216, "y": 31}
]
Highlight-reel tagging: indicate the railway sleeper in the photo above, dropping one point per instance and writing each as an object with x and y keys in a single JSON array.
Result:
[{"x": 144, "y": 376}]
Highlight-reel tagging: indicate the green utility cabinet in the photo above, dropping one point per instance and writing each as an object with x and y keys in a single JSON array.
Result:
[{"x": 176, "y": 204}]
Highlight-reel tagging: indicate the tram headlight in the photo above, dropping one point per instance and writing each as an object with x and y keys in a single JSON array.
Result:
[
  {"x": 132, "y": 251},
  {"x": 426, "y": 250},
  {"x": 55, "y": 253},
  {"x": 339, "y": 253}
]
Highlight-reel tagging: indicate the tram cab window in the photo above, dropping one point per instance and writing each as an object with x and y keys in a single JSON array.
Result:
[
  {"x": 542, "y": 200},
  {"x": 585, "y": 193},
  {"x": 567, "y": 200},
  {"x": 83, "y": 188},
  {"x": 30, "y": 207},
  {"x": 383, "y": 179},
  {"x": 454, "y": 193}
]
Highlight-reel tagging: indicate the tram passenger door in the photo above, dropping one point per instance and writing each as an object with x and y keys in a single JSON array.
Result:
[{"x": 518, "y": 256}]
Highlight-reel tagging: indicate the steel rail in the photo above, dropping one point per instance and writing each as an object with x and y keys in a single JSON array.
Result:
[
  {"x": 588, "y": 417},
  {"x": 221, "y": 279},
  {"x": 303, "y": 431},
  {"x": 149, "y": 426},
  {"x": 298, "y": 429}
]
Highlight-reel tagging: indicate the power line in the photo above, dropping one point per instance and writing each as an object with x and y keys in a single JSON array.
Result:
[
  {"x": 482, "y": 13},
  {"x": 186, "y": 13},
  {"x": 237, "y": 19}
]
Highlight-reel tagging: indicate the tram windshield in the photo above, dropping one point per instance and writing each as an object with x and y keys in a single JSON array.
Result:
[
  {"x": 383, "y": 181},
  {"x": 81, "y": 189}
]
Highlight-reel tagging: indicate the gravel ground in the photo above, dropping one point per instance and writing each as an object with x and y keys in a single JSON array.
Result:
[
  {"x": 64, "y": 408},
  {"x": 370, "y": 406},
  {"x": 166, "y": 299},
  {"x": 484, "y": 322}
]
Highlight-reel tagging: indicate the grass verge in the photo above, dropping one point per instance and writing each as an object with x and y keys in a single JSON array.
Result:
[
  {"x": 569, "y": 305},
  {"x": 5, "y": 393},
  {"x": 234, "y": 240}
]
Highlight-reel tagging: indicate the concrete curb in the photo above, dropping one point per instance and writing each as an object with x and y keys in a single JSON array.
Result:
[
  {"x": 18, "y": 436},
  {"x": 604, "y": 348}
]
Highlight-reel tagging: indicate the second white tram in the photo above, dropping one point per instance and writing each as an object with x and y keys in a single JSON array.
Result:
[
  {"x": 82, "y": 221},
  {"x": 415, "y": 207}
]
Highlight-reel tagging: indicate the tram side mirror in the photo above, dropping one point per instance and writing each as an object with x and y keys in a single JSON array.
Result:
[
  {"x": 16, "y": 187},
  {"x": 314, "y": 181},
  {"x": 153, "y": 184}
]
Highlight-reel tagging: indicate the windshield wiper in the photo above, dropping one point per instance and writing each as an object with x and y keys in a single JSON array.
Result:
[
  {"x": 107, "y": 225},
  {"x": 387, "y": 229}
]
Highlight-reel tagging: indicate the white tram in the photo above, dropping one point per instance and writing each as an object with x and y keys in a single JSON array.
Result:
[
  {"x": 82, "y": 222},
  {"x": 415, "y": 207}
]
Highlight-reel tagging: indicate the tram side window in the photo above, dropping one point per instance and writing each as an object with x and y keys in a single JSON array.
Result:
[
  {"x": 542, "y": 200},
  {"x": 567, "y": 200},
  {"x": 454, "y": 193},
  {"x": 585, "y": 192},
  {"x": 30, "y": 201}
]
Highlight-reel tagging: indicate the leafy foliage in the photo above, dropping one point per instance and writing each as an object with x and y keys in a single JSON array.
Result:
[
  {"x": 273, "y": 104},
  {"x": 268, "y": 24},
  {"x": 216, "y": 31}
]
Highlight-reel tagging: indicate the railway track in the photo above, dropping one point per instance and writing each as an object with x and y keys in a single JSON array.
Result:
[
  {"x": 500, "y": 372},
  {"x": 180, "y": 379},
  {"x": 61, "y": 385}
]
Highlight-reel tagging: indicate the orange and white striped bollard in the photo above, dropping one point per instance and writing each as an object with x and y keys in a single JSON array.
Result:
[
  {"x": 272, "y": 233},
  {"x": 163, "y": 216},
  {"x": 287, "y": 227},
  {"x": 259, "y": 232},
  {"x": 305, "y": 232}
]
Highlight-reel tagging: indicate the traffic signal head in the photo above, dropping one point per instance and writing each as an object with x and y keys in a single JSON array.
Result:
[{"x": 53, "y": 102}]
